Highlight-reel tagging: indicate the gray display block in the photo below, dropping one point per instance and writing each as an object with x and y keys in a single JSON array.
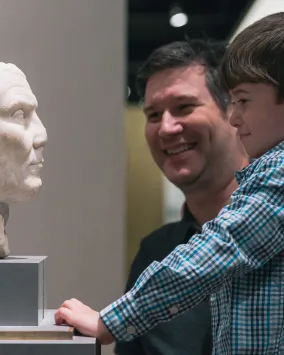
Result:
[
  {"x": 77, "y": 345},
  {"x": 22, "y": 296}
]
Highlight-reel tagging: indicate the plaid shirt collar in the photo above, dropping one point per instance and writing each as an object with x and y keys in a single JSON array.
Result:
[{"x": 248, "y": 170}]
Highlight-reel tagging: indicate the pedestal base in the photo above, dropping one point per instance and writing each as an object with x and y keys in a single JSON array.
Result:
[{"x": 77, "y": 345}]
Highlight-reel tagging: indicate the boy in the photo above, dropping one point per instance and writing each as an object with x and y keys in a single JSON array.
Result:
[{"x": 238, "y": 258}]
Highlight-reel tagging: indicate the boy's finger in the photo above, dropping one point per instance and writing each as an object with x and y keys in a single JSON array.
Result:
[{"x": 62, "y": 315}]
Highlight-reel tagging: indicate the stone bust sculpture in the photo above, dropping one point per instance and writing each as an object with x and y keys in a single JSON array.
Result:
[{"x": 22, "y": 138}]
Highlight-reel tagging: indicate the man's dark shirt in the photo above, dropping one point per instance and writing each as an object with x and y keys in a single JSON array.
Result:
[{"x": 188, "y": 334}]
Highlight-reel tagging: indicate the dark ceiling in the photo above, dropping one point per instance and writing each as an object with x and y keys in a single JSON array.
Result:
[{"x": 149, "y": 28}]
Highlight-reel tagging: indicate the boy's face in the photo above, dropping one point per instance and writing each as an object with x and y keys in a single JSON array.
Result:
[{"x": 258, "y": 116}]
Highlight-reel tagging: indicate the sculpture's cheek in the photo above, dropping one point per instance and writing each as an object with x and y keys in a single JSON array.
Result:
[{"x": 15, "y": 141}]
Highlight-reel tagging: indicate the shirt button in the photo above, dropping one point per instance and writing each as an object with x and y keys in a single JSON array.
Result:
[
  {"x": 174, "y": 310},
  {"x": 131, "y": 329},
  {"x": 226, "y": 215}
]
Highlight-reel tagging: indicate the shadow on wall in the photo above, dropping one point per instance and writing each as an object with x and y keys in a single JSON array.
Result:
[{"x": 144, "y": 184}]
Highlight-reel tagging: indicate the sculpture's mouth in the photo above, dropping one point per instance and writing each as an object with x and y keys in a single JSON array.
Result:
[{"x": 38, "y": 162}]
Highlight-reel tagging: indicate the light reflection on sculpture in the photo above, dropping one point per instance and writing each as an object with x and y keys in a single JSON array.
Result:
[{"x": 22, "y": 138}]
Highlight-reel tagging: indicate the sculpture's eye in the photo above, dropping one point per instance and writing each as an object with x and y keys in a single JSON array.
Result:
[{"x": 18, "y": 114}]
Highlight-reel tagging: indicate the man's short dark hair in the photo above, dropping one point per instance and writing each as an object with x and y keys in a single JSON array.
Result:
[
  {"x": 183, "y": 54},
  {"x": 256, "y": 55}
]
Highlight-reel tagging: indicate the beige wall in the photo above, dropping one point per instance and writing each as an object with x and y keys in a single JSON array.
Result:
[
  {"x": 73, "y": 54},
  {"x": 144, "y": 184}
]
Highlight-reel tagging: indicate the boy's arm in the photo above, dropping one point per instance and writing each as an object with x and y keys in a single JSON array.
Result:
[
  {"x": 139, "y": 264},
  {"x": 244, "y": 236}
]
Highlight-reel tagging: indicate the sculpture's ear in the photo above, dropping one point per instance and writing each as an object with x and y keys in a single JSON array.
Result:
[{"x": 4, "y": 211}]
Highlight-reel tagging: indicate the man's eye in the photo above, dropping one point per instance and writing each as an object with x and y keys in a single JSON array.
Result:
[
  {"x": 185, "y": 106},
  {"x": 184, "y": 109},
  {"x": 153, "y": 117}
]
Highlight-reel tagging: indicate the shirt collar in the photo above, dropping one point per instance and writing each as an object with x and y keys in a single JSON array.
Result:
[
  {"x": 188, "y": 217},
  {"x": 254, "y": 163}
]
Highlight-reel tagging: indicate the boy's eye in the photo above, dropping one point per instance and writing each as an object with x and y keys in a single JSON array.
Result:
[{"x": 239, "y": 101}]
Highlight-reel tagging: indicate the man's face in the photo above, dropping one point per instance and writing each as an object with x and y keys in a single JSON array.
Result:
[
  {"x": 185, "y": 129},
  {"x": 258, "y": 116},
  {"x": 22, "y": 137}
]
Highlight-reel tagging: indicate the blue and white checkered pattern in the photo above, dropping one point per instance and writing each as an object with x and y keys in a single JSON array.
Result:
[{"x": 238, "y": 260}]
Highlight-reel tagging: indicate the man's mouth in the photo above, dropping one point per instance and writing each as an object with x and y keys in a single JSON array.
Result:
[{"x": 180, "y": 149}]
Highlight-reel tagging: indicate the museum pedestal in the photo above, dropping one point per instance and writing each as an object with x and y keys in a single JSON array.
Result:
[
  {"x": 26, "y": 326},
  {"x": 22, "y": 296}
]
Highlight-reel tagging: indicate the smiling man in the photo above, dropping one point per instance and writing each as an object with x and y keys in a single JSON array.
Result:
[
  {"x": 191, "y": 140},
  {"x": 187, "y": 131}
]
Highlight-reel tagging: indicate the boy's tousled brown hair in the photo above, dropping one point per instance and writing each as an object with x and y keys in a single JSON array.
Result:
[{"x": 256, "y": 55}]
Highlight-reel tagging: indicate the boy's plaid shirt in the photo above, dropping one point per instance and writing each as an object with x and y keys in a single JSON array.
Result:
[{"x": 238, "y": 260}]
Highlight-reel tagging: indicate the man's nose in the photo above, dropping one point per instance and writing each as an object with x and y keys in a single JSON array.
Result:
[
  {"x": 170, "y": 125},
  {"x": 40, "y": 134}
]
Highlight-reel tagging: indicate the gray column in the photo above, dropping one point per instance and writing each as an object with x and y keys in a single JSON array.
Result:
[{"x": 73, "y": 54}]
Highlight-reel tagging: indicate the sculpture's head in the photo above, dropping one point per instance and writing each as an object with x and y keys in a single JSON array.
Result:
[{"x": 22, "y": 137}]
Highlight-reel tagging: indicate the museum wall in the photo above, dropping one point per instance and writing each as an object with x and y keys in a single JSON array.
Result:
[
  {"x": 144, "y": 184},
  {"x": 73, "y": 53}
]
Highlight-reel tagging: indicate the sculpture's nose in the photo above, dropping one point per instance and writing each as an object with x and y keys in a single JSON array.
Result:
[{"x": 40, "y": 134}]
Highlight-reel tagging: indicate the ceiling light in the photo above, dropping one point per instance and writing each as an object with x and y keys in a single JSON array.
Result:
[{"x": 177, "y": 17}]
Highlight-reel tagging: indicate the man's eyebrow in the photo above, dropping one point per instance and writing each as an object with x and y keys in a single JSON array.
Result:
[
  {"x": 186, "y": 97},
  {"x": 146, "y": 109}
]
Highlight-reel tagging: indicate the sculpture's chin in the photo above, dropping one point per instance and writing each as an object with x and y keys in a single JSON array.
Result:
[
  {"x": 24, "y": 192},
  {"x": 27, "y": 195}
]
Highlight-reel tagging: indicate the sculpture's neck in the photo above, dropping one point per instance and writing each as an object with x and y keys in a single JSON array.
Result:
[{"x": 4, "y": 215}]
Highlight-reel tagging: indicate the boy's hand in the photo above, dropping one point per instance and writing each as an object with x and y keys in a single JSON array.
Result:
[{"x": 84, "y": 319}]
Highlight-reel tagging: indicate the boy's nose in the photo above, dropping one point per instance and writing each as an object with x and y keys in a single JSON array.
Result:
[{"x": 235, "y": 117}]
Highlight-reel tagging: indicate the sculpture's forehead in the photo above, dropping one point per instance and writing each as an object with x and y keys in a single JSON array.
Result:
[
  {"x": 14, "y": 85},
  {"x": 10, "y": 76}
]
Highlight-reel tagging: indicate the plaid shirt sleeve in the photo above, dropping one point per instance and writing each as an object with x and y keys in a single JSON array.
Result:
[{"x": 244, "y": 236}]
